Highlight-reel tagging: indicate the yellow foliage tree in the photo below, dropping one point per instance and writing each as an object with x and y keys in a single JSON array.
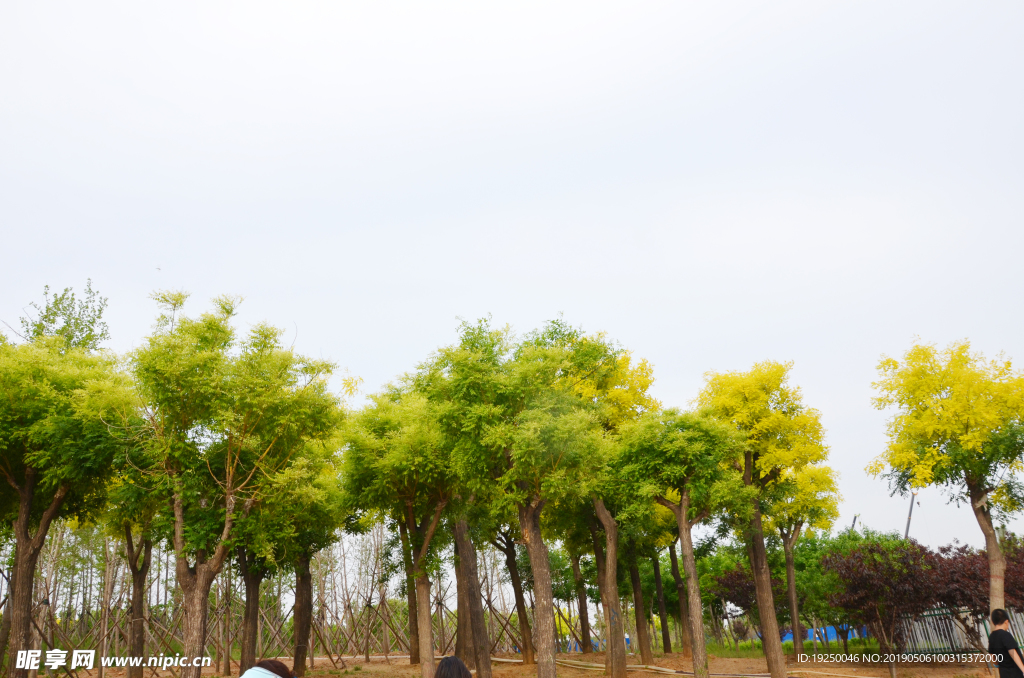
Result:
[
  {"x": 621, "y": 389},
  {"x": 958, "y": 426},
  {"x": 782, "y": 435},
  {"x": 603, "y": 374}
]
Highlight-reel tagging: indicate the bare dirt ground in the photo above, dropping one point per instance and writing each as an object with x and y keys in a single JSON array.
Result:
[{"x": 399, "y": 667}]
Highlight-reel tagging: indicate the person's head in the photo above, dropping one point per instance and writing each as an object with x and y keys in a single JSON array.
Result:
[
  {"x": 274, "y": 666},
  {"x": 451, "y": 667},
  {"x": 1000, "y": 618}
]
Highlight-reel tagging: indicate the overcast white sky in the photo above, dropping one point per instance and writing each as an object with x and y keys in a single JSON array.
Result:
[{"x": 712, "y": 184}]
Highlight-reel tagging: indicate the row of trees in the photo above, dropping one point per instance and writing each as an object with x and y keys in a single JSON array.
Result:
[
  {"x": 234, "y": 451},
  {"x": 869, "y": 579},
  {"x": 554, "y": 438},
  {"x": 228, "y": 448},
  {"x": 221, "y": 447}
]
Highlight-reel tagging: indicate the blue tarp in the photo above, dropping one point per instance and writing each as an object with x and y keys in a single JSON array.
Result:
[{"x": 829, "y": 630}]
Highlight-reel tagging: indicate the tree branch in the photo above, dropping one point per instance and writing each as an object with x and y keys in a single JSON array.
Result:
[
  {"x": 675, "y": 508},
  {"x": 132, "y": 559},
  {"x": 430, "y": 531},
  {"x": 48, "y": 515}
]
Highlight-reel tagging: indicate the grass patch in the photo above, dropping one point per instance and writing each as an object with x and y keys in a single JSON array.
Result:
[
  {"x": 752, "y": 649},
  {"x": 746, "y": 650}
]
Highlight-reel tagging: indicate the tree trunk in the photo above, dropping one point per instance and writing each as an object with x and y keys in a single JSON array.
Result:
[
  {"x": 643, "y": 638},
  {"x": 252, "y": 577},
  {"x": 885, "y": 645},
  {"x": 195, "y": 582},
  {"x": 103, "y": 649},
  {"x": 684, "y": 605},
  {"x": 382, "y": 609},
  {"x": 996, "y": 559},
  {"x": 544, "y": 609},
  {"x": 659, "y": 592},
  {"x": 195, "y": 592},
  {"x": 410, "y": 594},
  {"x": 26, "y": 550},
  {"x": 221, "y": 644},
  {"x": 20, "y": 603},
  {"x": 5, "y": 626},
  {"x": 586, "y": 645},
  {"x": 303, "y": 616},
  {"x": 599, "y": 561},
  {"x": 765, "y": 600},
  {"x": 788, "y": 542},
  {"x": 696, "y": 612},
  {"x": 463, "y": 639},
  {"x": 36, "y": 644},
  {"x": 730, "y": 638},
  {"x": 424, "y": 626},
  {"x": 508, "y": 546},
  {"x": 227, "y": 625},
  {"x": 477, "y": 627},
  {"x": 716, "y": 625},
  {"x": 138, "y": 562},
  {"x": 613, "y": 610},
  {"x": 730, "y": 635}
]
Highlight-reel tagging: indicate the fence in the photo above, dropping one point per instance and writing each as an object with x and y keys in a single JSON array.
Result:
[{"x": 944, "y": 630}]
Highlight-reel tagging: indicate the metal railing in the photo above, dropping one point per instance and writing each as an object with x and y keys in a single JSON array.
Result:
[{"x": 945, "y": 630}]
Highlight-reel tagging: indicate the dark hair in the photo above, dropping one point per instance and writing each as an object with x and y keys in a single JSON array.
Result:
[
  {"x": 451, "y": 667},
  {"x": 999, "y": 616},
  {"x": 274, "y": 666}
]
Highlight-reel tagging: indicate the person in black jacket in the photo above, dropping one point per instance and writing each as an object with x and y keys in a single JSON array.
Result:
[{"x": 1002, "y": 643}]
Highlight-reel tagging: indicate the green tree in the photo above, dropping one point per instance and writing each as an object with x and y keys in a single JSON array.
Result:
[
  {"x": 254, "y": 539},
  {"x": 605, "y": 377},
  {"x": 781, "y": 435},
  {"x": 476, "y": 643},
  {"x": 681, "y": 602},
  {"x": 549, "y": 449},
  {"x": 633, "y": 520},
  {"x": 957, "y": 425},
  {"x": 610, "y": 495},
  {"x": 685, "y": 462},
  {"x": 295, "y": 513},
  {"x": 135, "y": 499},
  {"x": 568, "y": 523},
  {"x": 815, "y": 584},
  {"x": 222, "y": 413},
  {"x": 736, "y": 583},
  {"x": 79, "y": 322},
  {"x": 309, "y": 491},
  {"x": 396, "y": 462},
  {"x": 661, "y": 600},
  {"x": 66, "y": 335},
  {"x": 519, "y": 434},
  {"x": 504, "y": 540},
  {"x": 805, "y": 498},
  {"x": 56, "y": 450},
  {"x": 642, "y": 533}
]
